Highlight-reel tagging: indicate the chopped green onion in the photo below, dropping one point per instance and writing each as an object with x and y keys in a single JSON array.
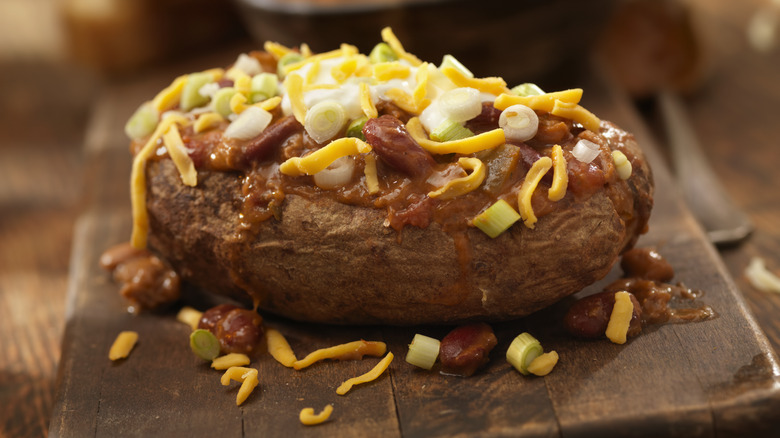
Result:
[
  {"x": 284, "y": 61},
  {"x": 142, "y": 122},
  {"x": 249, "y": 124},
  {"x": 264, "y": 86},
  {"x": 497, "y": 218},
  {"x": 221, "y": 101},
  {"x": 190, "y": 95},
  {"x": 460, "y": 104},
  {"x": 522, "y": 351},
  {"x": 355, "y": 128},
  {"x": 204, "y": 344},
  {"x": 450, "y": 130},
  {"x": 450, "y": 61},
  {"x": 382, "y": 52},
  {"x": 324, "y": 120},
  {"x": 519, "y": 122},
  {"x": 423, "y": 351},
  {"x": 527, "y": 89}
]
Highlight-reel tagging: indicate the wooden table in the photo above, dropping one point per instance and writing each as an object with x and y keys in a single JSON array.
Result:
[{"x": 41, "y": 197}]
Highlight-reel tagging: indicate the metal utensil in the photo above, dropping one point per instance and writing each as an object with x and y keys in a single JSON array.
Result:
[{"x": 724, "y": 222}]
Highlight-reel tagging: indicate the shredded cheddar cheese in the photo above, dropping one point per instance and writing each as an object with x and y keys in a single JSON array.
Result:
[
  {"x": 389, "y": 37},
  {"x": 465, "y": 146},
  {"x": 491, "y": 85},
  {"x": 620, "y": 318},
  {"x": 279, "y": 348},
  {"x": 294, "y": 85},
  {"x": 367, "y": 377},
  {"x": 543, "y": 364},
  {"x": 314, "y": 70},
  {"x": 308, "y": 418},
  {"x": 366, "y": 104},
  {"x": 385, "y": 71},
  {"x": 207, "y": 121},
  {"x": 350, "y": 350},
  {"x": 122, "y": 345},
  {"x": 306, "y": 50},
  {"x": 572, "y": 111},
  {"x": 421, "y": 89},
  {"x": 229, "y": 361},
  {"x": 170, "y": 95},
  {"x": 372, "y": 179},
  {"x": 345, "y": 69},
  {"x": 247, "y": 377},
  {"x": 138, "y": 182},
  {"x": 178, "y": 152},
  {"x": 560, "y": 175},
  {"x": 276, "y": 49},
  {"x": 189, "y": 316},
  {"x": 542, "y": 102},
  {"x": 532, "y": 178},
  {"x": 463, "y": 185},
  {"x": 406, "y": 101},
  {"x": 324, "y": 157}
]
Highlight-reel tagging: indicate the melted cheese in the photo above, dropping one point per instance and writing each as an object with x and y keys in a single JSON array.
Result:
[
  {"x": 620, "y": 318},
  {"x": 493, "y": 85},
  {"x": 122, "y": 345},
  {"x": 465, "y": 146},
  {"x": 279, "y": 348},
  {"x": 308, "y": 418},
  {"x": 575, "y": 112},
  {"x": 560, "y": 175},
  {"x": 542, "y": 102},
  {"x": 175, "y": 147},
  {"x": 532, "y": 178},
  {"x": 463, "y": 185},
  {"x": 389, "y": 37},
  {"x": 323, "y": 157},
  {"x": 367, "y": 377}
]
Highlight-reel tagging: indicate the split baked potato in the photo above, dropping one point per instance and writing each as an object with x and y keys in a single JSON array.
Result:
[{"x": 383, "y": 209}]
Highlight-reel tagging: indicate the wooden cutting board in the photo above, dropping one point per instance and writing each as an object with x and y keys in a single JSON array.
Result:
[{"x": 718, "y": 377}]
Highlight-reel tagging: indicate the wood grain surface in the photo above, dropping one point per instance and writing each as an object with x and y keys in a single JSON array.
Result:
[
  {"x": 40, "y": 201},
  {"x": 674, "y": 380}
]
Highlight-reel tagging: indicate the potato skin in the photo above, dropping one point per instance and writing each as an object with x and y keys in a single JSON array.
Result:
[{"x": 334, "y": 263}]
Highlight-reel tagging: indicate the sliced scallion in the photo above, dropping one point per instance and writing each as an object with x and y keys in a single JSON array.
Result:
[
  {"x": 190, "y": 94},
  {"x": 264, "y": 86},
  {"x": 450, "y": 61},
  {"x": 450, "y": 130},
  {"x": 142, "y": 122},
  {"x": 355, "y": 128},
  {"x": 423, "y": 351},
  {"x": 522, "y": 351},
  {"x": 382, "y": 52},
  {"x": 460, "y": 104},
  {"x": 204, "y": 344},
  {"x": 284, "y": 61},
  {"x": 527, "y": 89},
  {"x": 496, "y": 219},
  {"x": 519, "y": 122},
  {"x": 222, "y": 99},
  {"x": 324, "y": 120}
]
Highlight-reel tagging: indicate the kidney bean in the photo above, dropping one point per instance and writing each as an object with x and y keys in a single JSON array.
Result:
[
  {"x": 260, "y": 147},
  {"x": 487, "y": 120},
  {"x": 395, "y": 146},
  {"x": 147, "y": 281},
  {"x": 466, "y": 348},
  {"x": 589, "y": 316},
  {"x": 646, "y": 263},
  {"x": 239, "y": 331},
  {"x": 211, "y": 317}
]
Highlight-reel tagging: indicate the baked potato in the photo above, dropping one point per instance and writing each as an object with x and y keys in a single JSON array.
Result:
[{"x": 419, "y": 194}]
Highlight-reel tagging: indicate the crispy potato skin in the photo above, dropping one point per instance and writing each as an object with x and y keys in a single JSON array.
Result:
[{"x": 334, "y": 263}]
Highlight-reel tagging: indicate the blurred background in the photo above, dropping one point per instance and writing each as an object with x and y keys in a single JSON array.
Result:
[{"x": 720, "y": 58}]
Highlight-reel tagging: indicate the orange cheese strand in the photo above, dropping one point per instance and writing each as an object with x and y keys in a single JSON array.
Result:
[
  {"x": 367, "y": 377},
  {"x": 560, "y": 175},
  {"x": 532, "y": 178},
  {"x": 349, "y": 351}
]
